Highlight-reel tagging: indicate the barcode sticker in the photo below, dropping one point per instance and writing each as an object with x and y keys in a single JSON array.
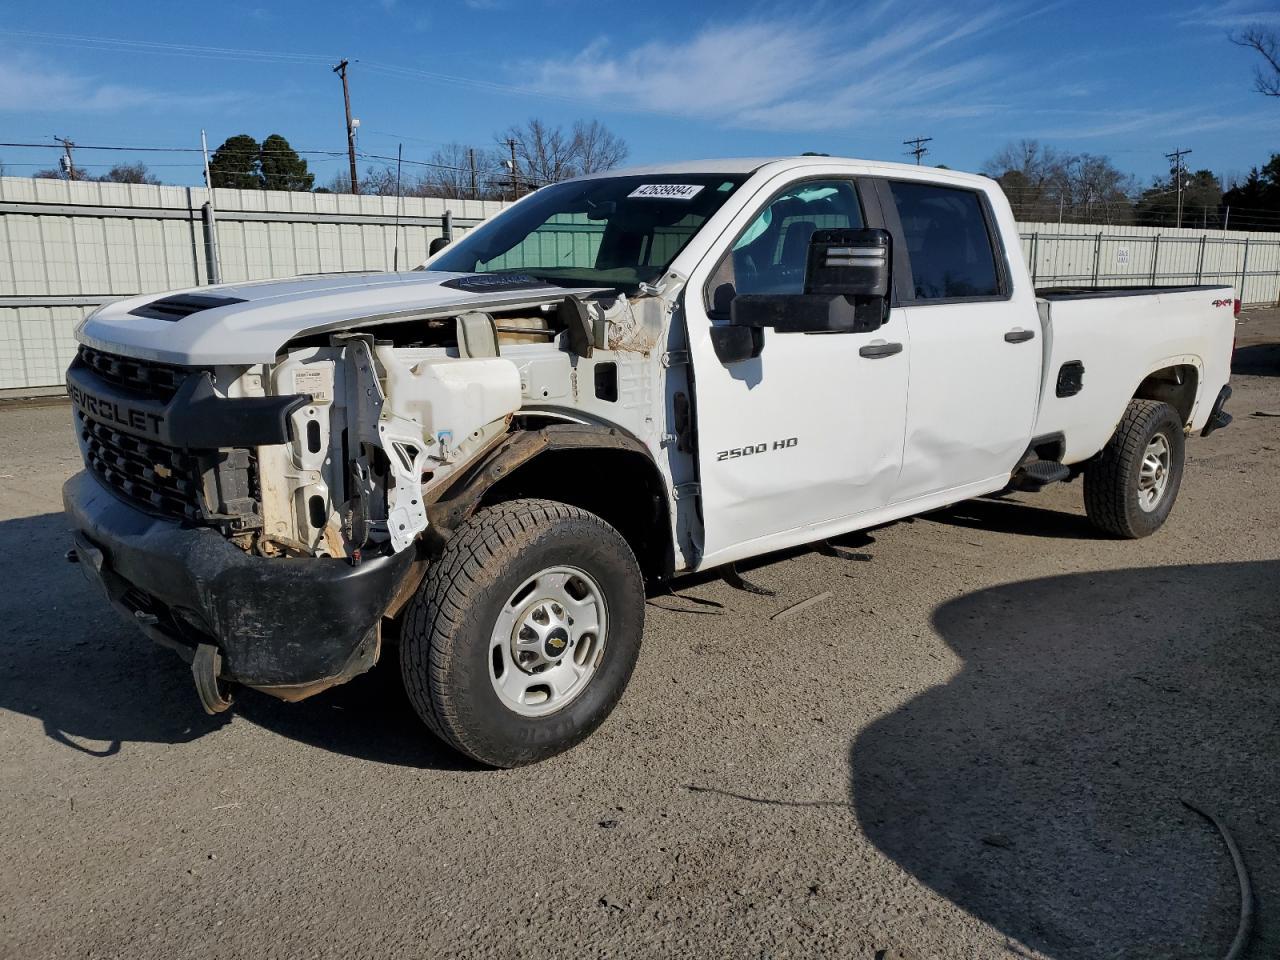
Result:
[
  {"x": 667, "y": 191},
  {"x": 313, "y": 382}
]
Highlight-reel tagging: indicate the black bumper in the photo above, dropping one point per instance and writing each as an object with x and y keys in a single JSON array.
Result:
[
  {"x": 1218, "y": 417},
  {"x": 290, "y": 624}
]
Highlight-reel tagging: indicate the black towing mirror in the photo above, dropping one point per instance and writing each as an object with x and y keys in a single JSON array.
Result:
[{"x": 848, "y": 277}]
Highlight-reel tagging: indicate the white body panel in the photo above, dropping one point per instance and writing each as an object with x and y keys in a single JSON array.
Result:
[
  {"x": 1121, "y": 340},
  {"x": 276, "y": 311}
]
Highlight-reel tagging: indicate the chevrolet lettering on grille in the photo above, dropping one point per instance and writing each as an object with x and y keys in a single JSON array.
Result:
[{"x": 112, "y": 411}]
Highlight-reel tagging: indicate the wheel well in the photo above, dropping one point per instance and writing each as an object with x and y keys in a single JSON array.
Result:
[
  {"x": 620, "y": 486},
  {"x": 1176, "y": 386}
]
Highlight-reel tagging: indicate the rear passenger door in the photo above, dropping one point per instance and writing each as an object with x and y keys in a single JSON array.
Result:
[{"x": 975, "y": 354}]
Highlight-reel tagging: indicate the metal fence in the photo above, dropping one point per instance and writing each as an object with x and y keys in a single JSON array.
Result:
[
  {"x": 67, "y": 247},
  {"x": 1066, "y": 254}
]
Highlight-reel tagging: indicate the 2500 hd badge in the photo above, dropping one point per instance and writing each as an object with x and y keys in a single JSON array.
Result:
[{"x": 752, "y": 449}]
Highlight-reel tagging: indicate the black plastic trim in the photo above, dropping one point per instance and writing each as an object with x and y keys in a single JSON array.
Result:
[
  {"x": 278, "y": 622},
  {"x": 1097, "y": 293},
  {"x": 196, "y": 418},
  {"x": 182, "y": 305},
  {"x": 1218, "y": 417}
]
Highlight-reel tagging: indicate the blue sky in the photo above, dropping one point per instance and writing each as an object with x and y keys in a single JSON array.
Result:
[{"x": 677, "y": 80}]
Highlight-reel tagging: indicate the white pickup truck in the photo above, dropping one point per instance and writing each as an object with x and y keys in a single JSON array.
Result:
[{"x": 621, "y": 378}]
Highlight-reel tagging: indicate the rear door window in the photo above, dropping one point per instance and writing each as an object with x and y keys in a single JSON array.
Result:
[{"x": 948, "y": 242}]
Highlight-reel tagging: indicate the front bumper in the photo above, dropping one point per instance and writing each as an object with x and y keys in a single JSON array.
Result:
[{"x": 289, "y": 626}]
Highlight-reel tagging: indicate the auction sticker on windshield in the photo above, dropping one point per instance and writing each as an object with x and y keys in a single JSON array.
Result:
[{"x": 667, "y": 191}]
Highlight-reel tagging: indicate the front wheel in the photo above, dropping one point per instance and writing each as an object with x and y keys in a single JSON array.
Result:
[
  {"x": 524, "y": 633},
  {"x": 1132, "y": 485}
]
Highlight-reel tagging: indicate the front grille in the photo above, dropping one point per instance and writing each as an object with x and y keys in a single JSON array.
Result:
[
  {"x": 157, "y": 381},
  {"x": 165, "y": 480}
]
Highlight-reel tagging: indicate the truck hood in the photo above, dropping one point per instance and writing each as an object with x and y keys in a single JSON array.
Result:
[{"x": 248, "y": 323}]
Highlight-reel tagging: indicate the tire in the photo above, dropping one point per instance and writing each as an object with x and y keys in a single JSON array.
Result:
[
  {"x": 458, "y": 657},
  {"x": 1118, "y": 497}
]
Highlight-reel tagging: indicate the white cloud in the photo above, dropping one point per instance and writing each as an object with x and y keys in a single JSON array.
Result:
[
  {"x": 27, "y": 85},
  {"x": 819, "y": 71},
  {"x": 1231, "y": 15}
]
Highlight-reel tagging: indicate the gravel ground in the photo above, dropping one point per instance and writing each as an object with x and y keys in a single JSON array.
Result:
[{"x": 975, "y": 747}]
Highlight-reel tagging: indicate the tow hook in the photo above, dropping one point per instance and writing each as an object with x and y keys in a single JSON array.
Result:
[{"x": 214, "y": 695}]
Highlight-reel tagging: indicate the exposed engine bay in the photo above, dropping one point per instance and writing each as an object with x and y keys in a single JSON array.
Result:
[{"x": 397, "y": 409}]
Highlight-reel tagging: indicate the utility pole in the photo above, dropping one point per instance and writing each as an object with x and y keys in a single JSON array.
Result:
[
  {"x": 511, "y": 143},
  {"x": 211, "y": 217},
  {"x": 471, "y": 159},
  {"x": 341, "y": 71},
  {"x": 918, "y": 147},
  {"x": 70, "y": 162},
  {"x": 1178, "y": 168}
]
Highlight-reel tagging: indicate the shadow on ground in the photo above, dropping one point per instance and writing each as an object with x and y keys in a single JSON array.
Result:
[
  {"x": 97, "y": 684},
  {"x": 1010, "y": 516},
  {"x": 1257, "y": 359},
  {"x": 1039, "y": 788}
]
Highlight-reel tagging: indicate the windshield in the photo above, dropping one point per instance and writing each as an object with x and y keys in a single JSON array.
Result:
[{"x": 610, "y": 232}]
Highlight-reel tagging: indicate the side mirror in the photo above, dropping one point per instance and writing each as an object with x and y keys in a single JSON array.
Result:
[
  {"x": 436, "y": 245},
  {"x": 733, "y": 344},
  {"x": 848, "y": 277}
]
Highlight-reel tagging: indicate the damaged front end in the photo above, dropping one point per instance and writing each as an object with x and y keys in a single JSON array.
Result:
[{"x": 265, "y": 519}]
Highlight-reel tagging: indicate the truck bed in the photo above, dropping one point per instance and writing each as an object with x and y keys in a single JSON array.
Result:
[{"x": 1122, "y": 335}]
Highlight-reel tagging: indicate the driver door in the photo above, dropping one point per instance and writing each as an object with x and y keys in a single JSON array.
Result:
[{"x": 796, "y": 441}]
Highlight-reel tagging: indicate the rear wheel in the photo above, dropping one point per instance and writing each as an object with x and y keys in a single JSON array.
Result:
[
  {"x": 524, "y": 633},
  {"x": 1132, "y": 485}
]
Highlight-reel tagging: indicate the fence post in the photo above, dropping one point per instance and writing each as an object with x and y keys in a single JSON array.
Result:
[
  {"x": 1200, "y": 261},
  {"x": 1244, "y": 269},
  {"x": 213, "y": 265},
  {"x": 1035, "y": 243},
  {"x": 1097, "y": 256},
  {"x": 1155, "y": 259}
]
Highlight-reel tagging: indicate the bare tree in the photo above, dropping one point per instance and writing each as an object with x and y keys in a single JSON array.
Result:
[
  {"x": 597, "y": 147},
  {"x": 1043, "y": 184},
  {"x": 451, "y": 173},
  {"x": 129, "y": 173},
  {"x": 1034, "y": 177},
  {"x": 1266, "y": 43},
  {"x": 544, "y": 154}
]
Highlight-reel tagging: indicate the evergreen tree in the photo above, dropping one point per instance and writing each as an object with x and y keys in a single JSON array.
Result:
[
  {"x": 235, "y": 164},
  {"x": 281, "y": 167}
]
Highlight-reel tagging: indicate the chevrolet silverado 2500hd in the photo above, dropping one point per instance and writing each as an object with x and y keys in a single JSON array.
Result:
[{"x": 619, "y": 379}]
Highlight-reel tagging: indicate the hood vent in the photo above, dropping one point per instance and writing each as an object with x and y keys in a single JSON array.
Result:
[
  {"x": 181, "y": 305},
  {"x": 496, "y": 283}
]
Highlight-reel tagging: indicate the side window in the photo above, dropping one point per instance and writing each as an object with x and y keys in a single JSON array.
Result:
[
  {"x": 771, "y": 255},
  {"x": 947, "y": 240}
]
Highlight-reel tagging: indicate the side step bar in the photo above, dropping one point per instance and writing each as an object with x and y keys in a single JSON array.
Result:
[{"x": 1040, "y": 473}]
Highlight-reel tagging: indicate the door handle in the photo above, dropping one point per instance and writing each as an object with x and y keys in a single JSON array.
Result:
[
  {"x": 1019, "y": 335},
  {"x": 875, "y": 350}
]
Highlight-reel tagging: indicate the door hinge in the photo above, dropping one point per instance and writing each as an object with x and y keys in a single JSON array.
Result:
[
  {"x": 684, "y": 491},
  {"x": 675, "y": 358}
]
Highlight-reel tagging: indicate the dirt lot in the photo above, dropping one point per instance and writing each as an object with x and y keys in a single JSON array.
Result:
[{"x": 974, "y": 748}]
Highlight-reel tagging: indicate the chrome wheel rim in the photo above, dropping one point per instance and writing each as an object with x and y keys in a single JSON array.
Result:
[
  {"x": 1153, "y": 475},
  {"x": 548, "y": 641}
]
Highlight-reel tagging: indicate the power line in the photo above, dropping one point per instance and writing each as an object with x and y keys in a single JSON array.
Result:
[{"x": 918, "y": 147}]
